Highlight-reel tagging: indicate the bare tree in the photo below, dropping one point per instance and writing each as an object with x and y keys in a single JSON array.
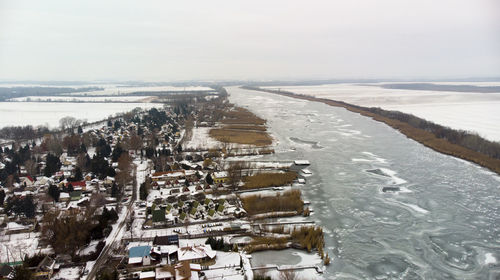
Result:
[
  {"x": 134, "y": 142},
  {"x": 235, "y": 173},
  {"x": 68, "y": 122},
  {"x": 97, "y": 200},
  {"x": 163, "y": 162},
  {"x": 81, "y": 161},
  {"x": 52, "y": 144},
  {"x": 31, "y": 167},
  {"x": 123, "y": 176}
]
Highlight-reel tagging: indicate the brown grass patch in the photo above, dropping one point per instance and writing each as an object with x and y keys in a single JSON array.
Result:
[
  {"x": 267, "y": 243},
  {"x": 240, "y": 115},
  {"x": 240, "y": 126},
  {"x": 309, "y": 238},
  {"x": 241, "y": 136},
  {"x": 288, "y": 201},
  {"x": 264, "y": 180}
]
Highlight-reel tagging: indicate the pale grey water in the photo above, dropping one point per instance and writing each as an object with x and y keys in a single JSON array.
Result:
[{"x": 442, "y": 225}]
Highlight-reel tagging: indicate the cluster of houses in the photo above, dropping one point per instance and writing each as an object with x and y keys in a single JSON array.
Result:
[
  {"x": 167, "y": 258},
  {"x": 69, "y": 196},
  {"x": 176, "y": 198},
  {"x": 181, "y": 196}
]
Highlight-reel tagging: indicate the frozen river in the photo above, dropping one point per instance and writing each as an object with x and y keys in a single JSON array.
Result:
[
  {"x": 472, "y": 111},
  {"x": 443, "y": 223}
]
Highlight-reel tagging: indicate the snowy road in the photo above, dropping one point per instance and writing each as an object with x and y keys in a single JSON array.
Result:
[{"x": 118, "y": 228}]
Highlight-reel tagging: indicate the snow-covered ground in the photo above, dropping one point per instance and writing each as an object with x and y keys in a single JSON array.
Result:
[
  {"x": 140, "y": 233},
  {"x": 288, "y": 258},
  {"x": 142, "y": 171},
  {"x": 47, "y": 113},
  {"x": 137, "y": 98},
  {"x": 68, "y": 273},
  {"x": 201, "y": 139},
  {"x": 225, "y": 267},
  {"x": 122, "y": 90},
  {"x": 478, "y": 112},
  {"x": 15, "y": 247}
]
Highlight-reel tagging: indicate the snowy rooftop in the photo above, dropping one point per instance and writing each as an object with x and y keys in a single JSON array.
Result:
[
  {"x": 222, "y": 174},
  {"x": 195, "y": 252},
  {"x": 147, "y": 274}
]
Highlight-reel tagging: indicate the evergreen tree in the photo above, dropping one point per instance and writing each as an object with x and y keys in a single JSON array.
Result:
[
  {"x": 54, "y": 192},
  {"x": 117, "y": 125},
  {"x": 117, "y": 152},
  {"x": 83, "y": 148},
  {"x": 78, "y": 174},
  {"x": 52, "y": 165},
  {"x": 2, "y": 197},
  {"x": 143, "y": 191},
  {"x": 114, "y": 190},
  {"x": 29, "y": 206},
  {"x": 209, "y": 179}
]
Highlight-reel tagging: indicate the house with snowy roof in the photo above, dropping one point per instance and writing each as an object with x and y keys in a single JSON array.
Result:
[
  {"x": 196, "y": 253},
  {"x": 27, "y": 181},
  {"x": 167, "y": 254},
  {"x": 220, "y": 177},
  {"x": 139, "y": 255}
]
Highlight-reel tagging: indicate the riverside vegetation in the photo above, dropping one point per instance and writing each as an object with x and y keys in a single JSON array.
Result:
[{"x": 240, "y": 126}]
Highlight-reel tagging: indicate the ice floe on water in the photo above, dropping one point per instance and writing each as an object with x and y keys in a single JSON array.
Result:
[
  {"x": 388, "y": 173},
  {"x": 370, "y": 157},
  {"x": 489, "y": 258},
  {"x": 414, "y": 207},
  {"x": 312, "y": 144},
  {"x": 392, "y": 174}
]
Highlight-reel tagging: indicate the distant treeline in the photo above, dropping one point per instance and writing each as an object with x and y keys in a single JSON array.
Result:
[
  {"x": 13, "y": 92},
  {"x": 441, "y": 87},
  {"x": 172, "y": 92},
  {"x": 458, "y": 143},
  {"x": 23, "y": 132}
]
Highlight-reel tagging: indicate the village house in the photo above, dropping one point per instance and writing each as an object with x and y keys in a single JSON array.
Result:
[
  {"x": 167, "y": 254},
  {"x": 139, "y": 255},
  {"x": 196, "y": 253},
  {"x": 220, "y": 177},
  {"x": 27, "y": 181}
]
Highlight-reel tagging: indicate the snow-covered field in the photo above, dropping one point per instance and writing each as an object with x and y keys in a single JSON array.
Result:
[
  {"x": 201, "y": 139},
  {"x": 472, "y": 111},
  {"x": 123, "y": 90},
  {"x": 15, "y": 247},
  {"x": 120, "y": 98},
  {"x": 33, "y": 113},
  {"x": 112, "y": 89}
]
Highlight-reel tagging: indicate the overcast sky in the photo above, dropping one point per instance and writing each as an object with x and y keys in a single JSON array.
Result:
[{"x": 185, "y": 40}]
